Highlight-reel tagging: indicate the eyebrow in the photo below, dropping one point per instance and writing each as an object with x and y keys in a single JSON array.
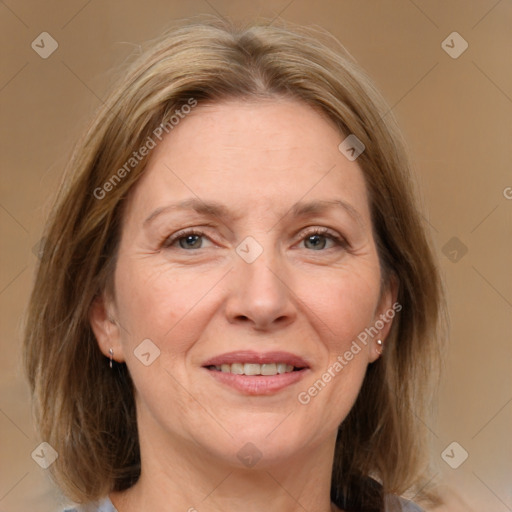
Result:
[{"x": 218, "y": 210}]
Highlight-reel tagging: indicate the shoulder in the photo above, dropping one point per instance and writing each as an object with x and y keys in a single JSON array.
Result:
[
  {"x": 104, "y": 505},
  {"x": 397, "y": 504}
]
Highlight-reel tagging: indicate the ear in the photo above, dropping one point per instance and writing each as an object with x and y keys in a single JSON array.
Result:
[
  {"x": 105, "y": 327},
  {"x": 384, "y": 315}
]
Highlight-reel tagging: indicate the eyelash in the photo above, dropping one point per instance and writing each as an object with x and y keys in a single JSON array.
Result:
[{"x": 338, "y": 240}]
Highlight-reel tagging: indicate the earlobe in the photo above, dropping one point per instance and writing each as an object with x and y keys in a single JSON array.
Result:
[
  {"x": 105, "y": 328},
  {"x": 388, "y": 307}
]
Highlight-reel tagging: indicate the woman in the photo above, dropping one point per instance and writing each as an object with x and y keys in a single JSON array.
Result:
[{"x": 237, "y": 305}]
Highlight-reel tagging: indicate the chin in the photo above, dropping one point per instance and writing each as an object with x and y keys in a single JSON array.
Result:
[{"x": 263, "y": 448}]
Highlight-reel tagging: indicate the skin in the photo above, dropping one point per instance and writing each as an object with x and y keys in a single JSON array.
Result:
[{"x": 307, "y": 296}]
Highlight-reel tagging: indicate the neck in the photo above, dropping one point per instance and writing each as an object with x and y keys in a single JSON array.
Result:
[{"x": 177, "y": 476}]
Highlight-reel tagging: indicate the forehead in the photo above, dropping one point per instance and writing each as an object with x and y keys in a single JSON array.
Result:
[{"x": 257, "y": 154}]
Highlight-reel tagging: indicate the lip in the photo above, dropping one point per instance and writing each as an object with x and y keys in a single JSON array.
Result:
[{"x": 258, "y": 384}]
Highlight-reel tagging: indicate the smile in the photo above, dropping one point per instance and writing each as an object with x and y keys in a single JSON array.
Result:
[
  {"x": 254, "y": 368},
  {"x": 256, "y": 373}
]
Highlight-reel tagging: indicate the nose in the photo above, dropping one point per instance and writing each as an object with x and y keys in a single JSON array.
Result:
[{"x": 260, "y": 294}]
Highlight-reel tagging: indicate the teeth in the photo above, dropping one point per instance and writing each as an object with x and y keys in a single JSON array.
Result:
[
  {"x": 252, "y": 369},
  {"x": 282, "y": 368},
  {"x": 255, "y": 368},
  {"x": 237, "y": 368},
  {"x": 268, "y": 369}
]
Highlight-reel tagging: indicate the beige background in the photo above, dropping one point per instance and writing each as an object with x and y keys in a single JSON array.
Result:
[{"x": 456, "y": 115}]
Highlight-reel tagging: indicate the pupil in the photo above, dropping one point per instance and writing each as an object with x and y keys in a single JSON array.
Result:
[
  {"x": 190, "y": 240},
  {"x": 315, "y": 240}
]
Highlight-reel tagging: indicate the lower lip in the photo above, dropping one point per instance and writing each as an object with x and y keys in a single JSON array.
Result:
[{"x": 258, "y": 384}]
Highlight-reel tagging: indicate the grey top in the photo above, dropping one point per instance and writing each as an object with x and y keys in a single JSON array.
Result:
[
  {"x": 393, "y": 504},
  {"x": 104, "y": 505}
]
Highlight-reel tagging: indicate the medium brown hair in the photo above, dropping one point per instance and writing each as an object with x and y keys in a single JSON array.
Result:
[{"x": 85, "y": 410}]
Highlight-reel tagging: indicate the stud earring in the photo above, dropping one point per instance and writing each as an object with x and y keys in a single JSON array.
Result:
[
  {"x": 111, "y": 356},
  {"x": 379, "y": 347}
]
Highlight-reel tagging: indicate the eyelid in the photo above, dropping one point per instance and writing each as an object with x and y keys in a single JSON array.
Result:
[
  {"x": 335, "y": 237},
  {"x": 182, "y": 233}
]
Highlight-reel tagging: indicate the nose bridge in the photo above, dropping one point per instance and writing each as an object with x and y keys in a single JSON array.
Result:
[{"x": 259, "y": 291}]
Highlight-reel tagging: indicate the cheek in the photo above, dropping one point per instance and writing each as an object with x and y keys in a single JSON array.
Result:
[
  {"x": 345, "y": 302},
  {"x": 344, "y": 306},
  {"x": 157, "y": 303}
]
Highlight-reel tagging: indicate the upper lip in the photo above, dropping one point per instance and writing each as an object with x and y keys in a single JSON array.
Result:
[{"x": 249, "y": 356}]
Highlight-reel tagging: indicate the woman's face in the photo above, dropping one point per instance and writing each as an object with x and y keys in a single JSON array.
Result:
[{"x": 215, "y": 298}]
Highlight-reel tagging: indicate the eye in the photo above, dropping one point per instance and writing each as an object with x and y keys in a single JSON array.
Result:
[
  {"x": 318, "y": 238},
  {"x": 186, "y": 239}
]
